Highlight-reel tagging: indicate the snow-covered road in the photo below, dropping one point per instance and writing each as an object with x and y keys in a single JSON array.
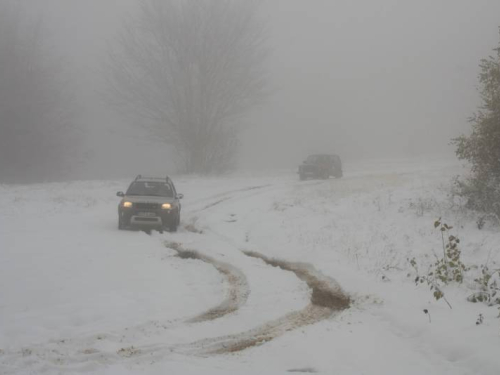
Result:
[{"x": 236, "y": 289}]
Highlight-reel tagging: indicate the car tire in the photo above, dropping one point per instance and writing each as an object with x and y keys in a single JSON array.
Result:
[
  {"x": 121, "y": 226},
  {"x": 302, "y": 177},
  {"x": 173, "y": 226}
]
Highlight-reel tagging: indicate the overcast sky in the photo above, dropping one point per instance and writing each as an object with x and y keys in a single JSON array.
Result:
[{"x": 362, "y": 78}]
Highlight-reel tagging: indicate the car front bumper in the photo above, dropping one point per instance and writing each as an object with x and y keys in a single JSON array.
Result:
[{"x": 150, "y": 218}]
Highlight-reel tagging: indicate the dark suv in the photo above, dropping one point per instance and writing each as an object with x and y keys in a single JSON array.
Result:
[
  {"x": 150, "y": 203},
  {"x": 321, "y": 166}
]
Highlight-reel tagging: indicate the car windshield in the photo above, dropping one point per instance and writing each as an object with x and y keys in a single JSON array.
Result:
[
  {"x": 317, "y": 159},
  {"x": 312, "y": 159},
  {"x": 150, "y": 188}
]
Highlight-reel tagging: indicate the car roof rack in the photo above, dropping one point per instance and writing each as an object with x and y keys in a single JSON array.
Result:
[{"x": 141, "y": 177}]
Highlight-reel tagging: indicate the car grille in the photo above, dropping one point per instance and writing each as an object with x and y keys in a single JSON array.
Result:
[
  {"x": 148, "y": 219},
  {"x": 146, "y": 206}
]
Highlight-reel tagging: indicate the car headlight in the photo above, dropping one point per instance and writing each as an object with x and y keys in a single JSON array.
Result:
[
  {"x": 127, "y": 204},
  {"x": 166, "y": 206}
]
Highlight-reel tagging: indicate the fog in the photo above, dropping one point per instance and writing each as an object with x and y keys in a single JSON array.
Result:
[{"x": 364, "y": 79}]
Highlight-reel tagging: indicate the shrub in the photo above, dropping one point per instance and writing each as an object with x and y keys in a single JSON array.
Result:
[
  {"x": 445, "y": 270},
  {"x": 482, "y": 147},
  {"x": 489, "y": 285}
]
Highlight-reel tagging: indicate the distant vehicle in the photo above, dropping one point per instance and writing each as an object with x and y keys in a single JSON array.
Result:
[
  {"x": 321, "y": 166},
  {"x": 150, "y": 203}
]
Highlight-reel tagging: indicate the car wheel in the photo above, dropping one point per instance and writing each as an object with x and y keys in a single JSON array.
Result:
[
  {"x": 175, "y": 223},
  {"x": 302, "y": 177},
  {"x": 121, "y": 226}
]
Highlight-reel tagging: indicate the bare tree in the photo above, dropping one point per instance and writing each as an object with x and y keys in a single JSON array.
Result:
[
  {"x": 33, "y": 102},
  {"x": 191, "y": 70}
]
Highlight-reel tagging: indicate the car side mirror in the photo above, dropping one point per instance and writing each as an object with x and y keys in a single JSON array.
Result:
[
  {"x": 120, "y": 194},
  {"x": 180, "y": 196}
]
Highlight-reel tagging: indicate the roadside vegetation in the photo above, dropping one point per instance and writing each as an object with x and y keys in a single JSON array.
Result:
[
  {"x": 478, "y": 193},
  {"x": 482, "y": 147}
]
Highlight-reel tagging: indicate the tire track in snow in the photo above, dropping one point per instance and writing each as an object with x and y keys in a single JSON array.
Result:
[
  {"x": 327, "y": 298},
  {"x": 238, "y": 290},
  {"x": 325, "y": 291},
  {"x": 219, "y": 198},
  {"x": 56, "y": 356},
  {"x": 213, "y": 201}
]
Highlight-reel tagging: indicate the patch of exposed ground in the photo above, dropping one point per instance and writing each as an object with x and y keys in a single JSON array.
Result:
[
  {"x": 325, "y": 291},
  {"x": 128, "y": 352},
  {"x": 237, "y": 292},
  {"x": 327, "y": 298}
]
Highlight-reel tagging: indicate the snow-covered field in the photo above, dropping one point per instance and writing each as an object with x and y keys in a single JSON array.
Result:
[{"x": 79, "y": 296}]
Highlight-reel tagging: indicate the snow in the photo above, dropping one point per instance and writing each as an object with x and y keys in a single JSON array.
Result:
[{"x": 79, "y": 296}]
